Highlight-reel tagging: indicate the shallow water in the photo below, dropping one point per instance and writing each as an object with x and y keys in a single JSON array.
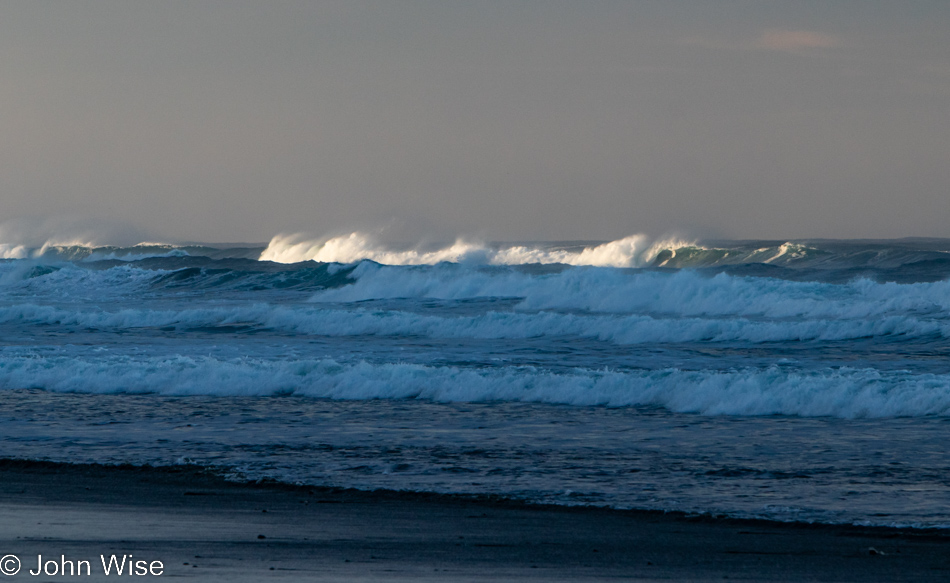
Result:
[{"x": 881, "y": 471}]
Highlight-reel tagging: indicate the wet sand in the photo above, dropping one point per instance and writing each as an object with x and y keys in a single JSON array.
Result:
[{"x": 203, "y": 527}]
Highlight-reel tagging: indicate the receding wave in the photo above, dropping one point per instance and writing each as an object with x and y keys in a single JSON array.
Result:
[{"x": 841, "y": 392}]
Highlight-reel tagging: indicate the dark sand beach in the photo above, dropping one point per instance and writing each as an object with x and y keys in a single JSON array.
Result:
[{"x": 206, "y": 528}]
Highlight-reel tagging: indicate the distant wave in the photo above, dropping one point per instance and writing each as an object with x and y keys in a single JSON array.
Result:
[
  {"x": 632, "y": 251},
  {"x": 79, "y": 251},
  {"x": 842, "y": 392},
  {"x": 923, "y": 259},
  {"x": 929, "y": 258}
]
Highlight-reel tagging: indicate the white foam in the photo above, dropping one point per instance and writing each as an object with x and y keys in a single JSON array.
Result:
[
  {"x": 357, "y": 247},
  {"x": 14, "y": 251},
  {"x": 792, "y": 249}
]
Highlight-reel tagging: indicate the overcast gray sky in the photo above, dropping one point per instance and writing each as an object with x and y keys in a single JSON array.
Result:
[{"x": 532, "y": 119}]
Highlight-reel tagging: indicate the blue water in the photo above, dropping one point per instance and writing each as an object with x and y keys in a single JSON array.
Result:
[{"x": 804, "y": 380}]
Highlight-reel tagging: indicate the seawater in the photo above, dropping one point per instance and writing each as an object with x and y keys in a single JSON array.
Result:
[{"x": 804, "y": 380}]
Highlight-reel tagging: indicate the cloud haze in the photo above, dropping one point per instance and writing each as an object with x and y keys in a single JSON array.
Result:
[
  {"x": 795, "y": 40},
  {"x": 224, "y": 121}
]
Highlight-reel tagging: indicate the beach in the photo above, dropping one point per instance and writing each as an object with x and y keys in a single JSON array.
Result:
[{"x": 203, "y": 527}]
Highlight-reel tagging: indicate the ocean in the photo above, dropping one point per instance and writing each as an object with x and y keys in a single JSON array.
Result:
[{"x": 788, "y": 380}]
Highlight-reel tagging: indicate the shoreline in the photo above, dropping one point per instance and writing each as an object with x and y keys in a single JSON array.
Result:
[
  {"x": 208, "y": 528},
  {"x": 213, "y": 474}
]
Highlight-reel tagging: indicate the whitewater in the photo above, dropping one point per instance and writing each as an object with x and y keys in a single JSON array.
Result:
[{"x": 794, "y": 380}]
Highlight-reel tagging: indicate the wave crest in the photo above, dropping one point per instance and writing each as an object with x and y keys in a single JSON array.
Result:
[{"x": 633, "y": 251}]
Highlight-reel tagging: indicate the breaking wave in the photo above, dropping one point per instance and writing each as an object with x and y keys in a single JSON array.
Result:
[
  {"x": 632, "y": 251},
  {"x": 843, "y": 392},
  {"x": 78, "y": 251},
  {"x": 684, "y": 293},
  {"x": 921, "y": 259},
  {"x": 656, "y": 294}
]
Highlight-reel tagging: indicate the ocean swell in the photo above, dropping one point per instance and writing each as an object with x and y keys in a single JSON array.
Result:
[
  {"x": 685, "y": 293},
  {"x": 617, "y": 329},
  {"x": 842, "y": 392}
]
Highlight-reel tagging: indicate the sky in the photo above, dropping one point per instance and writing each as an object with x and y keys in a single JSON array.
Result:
[{"x": 507, "y": 120}]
